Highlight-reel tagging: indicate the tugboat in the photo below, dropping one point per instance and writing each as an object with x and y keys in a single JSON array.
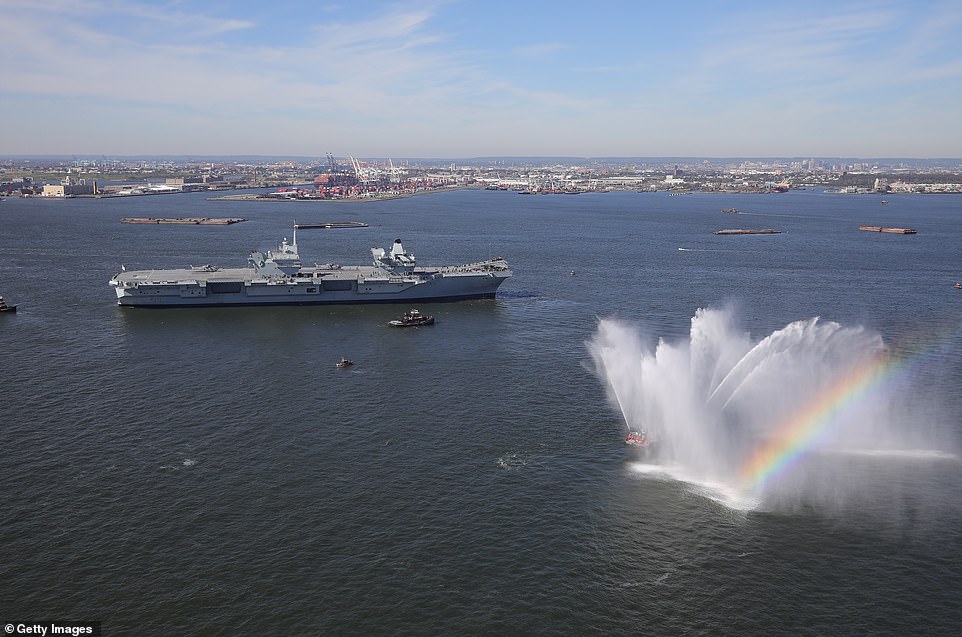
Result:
[
  {"x": 6, "y": 308},
  {"x": 412, "y": 318},
  {"x": 344, "y": 362}
]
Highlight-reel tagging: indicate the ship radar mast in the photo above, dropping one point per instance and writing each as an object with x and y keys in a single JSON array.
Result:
[{"x": 396, "y": 259}]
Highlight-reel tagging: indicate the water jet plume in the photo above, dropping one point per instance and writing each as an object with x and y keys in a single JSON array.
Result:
[{"x": 775, "y": 422}]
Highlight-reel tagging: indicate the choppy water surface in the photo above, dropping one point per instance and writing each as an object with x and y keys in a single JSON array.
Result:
[{"x": 208, "y": 470}]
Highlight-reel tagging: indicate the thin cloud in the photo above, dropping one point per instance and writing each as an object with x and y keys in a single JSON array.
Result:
[
  {"x": 376, "y": 33},
  {"x": 540, "y": 50},
  {"x": 405, "y": 75},
  {"x": 612, "y": 68},
  {"x": 790, "y": 43},
  {"x": 144, "y": 13},
  {"x": 77, "y": 58}
]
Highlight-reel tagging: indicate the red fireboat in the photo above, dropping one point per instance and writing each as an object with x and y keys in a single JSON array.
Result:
[{"x": 638, "y": 439}]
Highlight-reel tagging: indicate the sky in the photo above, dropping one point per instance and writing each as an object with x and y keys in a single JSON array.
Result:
[{"x": 463, "y": 78}]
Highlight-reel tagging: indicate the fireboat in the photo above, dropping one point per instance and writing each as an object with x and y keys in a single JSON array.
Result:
[{"x": 638, "y": 439}]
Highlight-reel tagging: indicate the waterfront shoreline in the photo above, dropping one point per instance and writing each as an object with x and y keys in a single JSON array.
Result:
[{"x": 360, "y": 199}]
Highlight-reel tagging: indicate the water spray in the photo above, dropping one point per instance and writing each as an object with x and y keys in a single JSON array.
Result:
[{"x": 773, "y": 421}]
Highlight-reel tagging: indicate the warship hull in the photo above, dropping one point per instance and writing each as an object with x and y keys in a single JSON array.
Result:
[
  {"x": 247, "y": 290},
  {"x": 279, "y": 279}
]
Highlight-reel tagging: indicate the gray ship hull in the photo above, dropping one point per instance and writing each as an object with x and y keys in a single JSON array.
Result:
[
  {"x": 279, "y": 279},
  {"x": 250, "y": 291}
]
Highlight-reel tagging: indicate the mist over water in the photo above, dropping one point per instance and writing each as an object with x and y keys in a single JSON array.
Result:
[{"x": 789, "y": 420}]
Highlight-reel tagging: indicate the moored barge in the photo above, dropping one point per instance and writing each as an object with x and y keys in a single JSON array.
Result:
[
  {"x": 198, "y": 221},
  {"x": 888, "y": 230},
  {"x": 747, "y": 231}
]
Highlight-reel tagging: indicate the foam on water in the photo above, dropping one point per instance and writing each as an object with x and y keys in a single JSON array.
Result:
[
  {"x": 512, "y": 461},
  {"x": 715, "y": 490}
]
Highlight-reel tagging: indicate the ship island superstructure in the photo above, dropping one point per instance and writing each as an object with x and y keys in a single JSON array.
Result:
[{"x": 278, "y": 277}]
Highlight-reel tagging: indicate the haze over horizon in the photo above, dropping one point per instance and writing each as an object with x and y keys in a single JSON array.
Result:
[{"x": 460, "y": 79}]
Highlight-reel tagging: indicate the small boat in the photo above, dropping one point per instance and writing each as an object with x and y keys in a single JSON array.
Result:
[
  {"x": 957, "y": 286},
  {"x": 344, "y": 362},
  {"x": 412, "y": 318},
  {"x": 6, "y": 308},
  {"x": 638, "y": 439}
]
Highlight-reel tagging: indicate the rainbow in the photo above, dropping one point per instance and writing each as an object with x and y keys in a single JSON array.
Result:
[{"x": 797, "y": 435}]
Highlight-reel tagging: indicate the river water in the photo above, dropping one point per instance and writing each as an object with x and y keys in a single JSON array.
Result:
[{"x": 209, "y": 471}]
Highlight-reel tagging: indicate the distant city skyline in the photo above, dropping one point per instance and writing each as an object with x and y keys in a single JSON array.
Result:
[{"x": 461, "y": 79}]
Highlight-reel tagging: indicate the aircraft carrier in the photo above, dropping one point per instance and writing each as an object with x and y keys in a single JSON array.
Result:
[{"x": 278, "y": 277}]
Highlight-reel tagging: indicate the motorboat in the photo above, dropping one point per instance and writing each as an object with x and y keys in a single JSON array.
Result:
[
  {"x": 344, "y": 362},
  {"x": 412, "y": 318},
  {"x": 6, "y": 308}
]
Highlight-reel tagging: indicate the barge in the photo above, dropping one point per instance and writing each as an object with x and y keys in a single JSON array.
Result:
[
  {"x": 197, "y": 221},
  {"x": 888, "y": 230},
  {"x": 328, "y": 225},
  {"x": 747, "y": 231}
]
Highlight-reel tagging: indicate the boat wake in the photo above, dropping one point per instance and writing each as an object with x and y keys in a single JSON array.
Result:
[{"x": 518, "y": 295}]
